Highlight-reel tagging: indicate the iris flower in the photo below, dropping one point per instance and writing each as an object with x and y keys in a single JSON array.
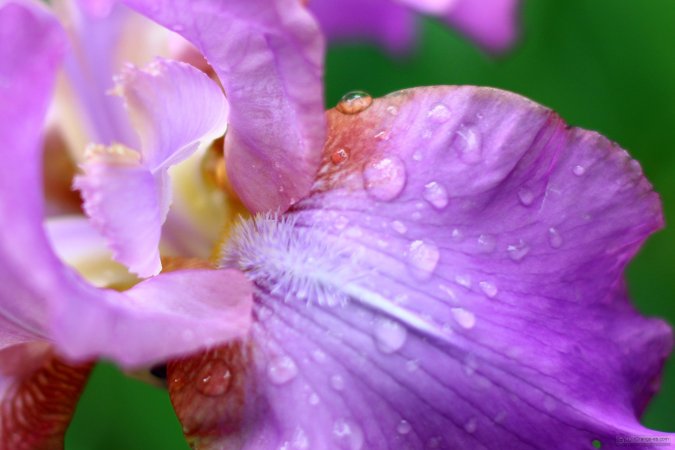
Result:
[{"x": 446, "y": 273}]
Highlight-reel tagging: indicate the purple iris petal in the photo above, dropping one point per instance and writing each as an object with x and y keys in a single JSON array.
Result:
[
  {"x": 454, "y": 280},
  {"x": 126, "y": 194},
  {"x": 490, "y": 23},
  {"x": 268, "y": 56},
  {"x": 41, "y": 299}
]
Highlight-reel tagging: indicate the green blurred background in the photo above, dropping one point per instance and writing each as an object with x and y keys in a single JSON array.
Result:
[{"x": 606, "y": 65}]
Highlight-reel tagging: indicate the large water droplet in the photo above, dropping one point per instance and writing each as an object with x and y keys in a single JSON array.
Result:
[
  {"x": 488, "y": 288},
  {"x": 466, "y": 319},
  {"x": 436, "y": 194},
  {"x": 281, "y": 370},
  {"x": 349, "y": 434},
  {"x": 555, "y": 240},
  {"x": 340, "y": 155},
  {"x": 403, "y": 427},
  {"x": 422, "y": 259},
  {"x": 354, "y": 102},
  {"x": 526, "y": 196},
  {"x": 439, "y": 113},
  {"x": 389, "y": 335},
  {"x": 518, "y": 251},
  {"x": 579, "y": 170},
  {"x": 469, "y": 145},
  {"x": 214, "y": 378},
  {"x": 384, "y": 178}
]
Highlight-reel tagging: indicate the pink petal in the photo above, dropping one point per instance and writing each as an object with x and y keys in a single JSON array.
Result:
[
  {"x": 269, "y": 59},
  {"x": 176, "y": 108},
  {"x": 454, "y": 280},
  {"x": 40, "y": 298},
  {"x": 491, "y": 23}
]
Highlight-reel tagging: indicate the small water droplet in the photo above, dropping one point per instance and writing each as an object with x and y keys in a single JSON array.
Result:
[
  {"x": 436, "y": 195},
  {"x": 555, "y": 240},
  {"x": 319, "y": 356},
  {"x": 439, "y": 113},
  {"x": 466, "y": 319},
  {"x": 412, "y": 366},
  {"x": 389, "y": 335},
  {"x": 488, "y": 288},
  {"x": 281, "y": 370},
  {"x": 381, "y": 135},
  {"x": 456, "y": 234},
  {"x": 417, "y": 156},
  {"x": 340, "y": 155},
  {"x": 487, "y": 243},
  {"x": 471, "y": 425},
  {"x": 349, "y": 433},
  {"x": 214, "y": 378},
  {"x": 403, "y": 427},
  {"x": 392, "y": 110},
  {"x": 518, "y": 251},
  {"x": 579, "y": 170},
  {"x": 337, "y": 382},
  {"x": 463, "y": 280},
  {"x": 384, "y": 178},
  {"x": 354, "y": 102},
  {"x": 448, "y": 291},
  {"x": 469, "y": 145},
  {"x": 422, "y": 259},
  {"x": 526, "y": 196},
  {"x": 313, "y": 399},
  {"x": 399, "y": 227}
]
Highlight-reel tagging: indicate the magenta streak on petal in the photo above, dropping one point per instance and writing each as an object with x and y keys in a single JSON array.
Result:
[
  {"x": 168, "y": 316},
  {"x": 268, "y": 56},
  {"x": 175, "y": 108},
  {"x": 446, "y": 332}
]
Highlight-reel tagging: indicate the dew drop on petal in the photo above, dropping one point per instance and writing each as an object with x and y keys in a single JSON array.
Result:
[
  {"x": 214, "y": 378},
  {"x": 313, "y": 399},
  {"x": 340, "y": 155},
  {"x": 349, "y": 434},
  {"x": 471, "y": 425},
  {"x": 518, "y": 251},
  {"x": 384, "y": 178},
  {"x": 281, "y": 370},
  {"x": 392, "y": 110},
  {"x": 403, "y": 427},
  {"x": 422, "y": 259},
  {"x": 469, "y": 145},
  {"x": 487, "y": 243},
  {"x": 319, "y": 356},
  {"x": 337, "y": 382},
  {"x": 464, "y": 318},
  {"x": 488, "y": 288},
  {"x": 526, "y": 196},
  {"x": 439, "y": 113},
  {"x": 436, "y": 195},
  {"x": 354, "y": 102},
  {"x": 399, "y": 227},
  {"x": 412, "y": 365},
  {"x": 579, "y": 170},
  {"x": 299, "y": 441},
  {"x": 417, "y": 156},
  {"x": 555, "y": 240},
  {"x": 389, "y": 335},
  {"x": 463, "y": 280}
]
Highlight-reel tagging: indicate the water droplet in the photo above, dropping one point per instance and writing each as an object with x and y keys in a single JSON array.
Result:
[
  {"x": 337, "y": 382},
  {"x": 392, "y": 110},
  {"x": 381, "y": 135},
  {"x": 436, "y": 195},
  {"x": 466, "y": 319},
  {"x": 389, "y": 335},
  {"x": 416, "y": 215},
  {"x": 518, "y": 251},
  {"x": 354, "y": 102},
  {"x": 471, "y": 425},
  {"x": 555, "y": 240},
  {"x": 348, "y": 433},
  {"x": 384, "y": 178},
  {"x": 412, "y": 366},
  {"x": 579, "y": 170},
  {"x": 313, "y": 399},
  {"x": 463, "y": 280},
  {"x": 448, "y": 291},
  {"x": 487, "y": 243},
  {"x": 399, "y": 227},
  {"x": 299, "y": 440},
  {"x": 340, "y": 155},
  {"x": 417, "y": 156},
  {"x": 319, "y": 356},
  {"x": 439, "y": 113},
  {"x": 281, "y": 370},
  {"x": 469, "y": 145},
  {"x": 526, "y": 196},
  {"x": 214, "y": 378},
  {"x": 403, "y": 427},
  {"x": 422, "y": 259},
  {"x": 488, "y": 288},
  {"x": 456, "y": 234}
]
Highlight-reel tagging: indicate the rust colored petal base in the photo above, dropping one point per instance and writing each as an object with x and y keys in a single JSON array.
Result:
[{"x": 38, "y": 398}]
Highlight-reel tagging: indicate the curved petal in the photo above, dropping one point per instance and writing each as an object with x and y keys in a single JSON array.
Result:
[
  {"x": 381, "y": 21},
  {"x": 268, "y": 56},
  {"x": 38, "y": 395},
  {"x": 176, "y": 108},
  {"x": 170, "y": 315},
  {"x": 454, "y": 280},
  {"x": 491, "y": 23}
]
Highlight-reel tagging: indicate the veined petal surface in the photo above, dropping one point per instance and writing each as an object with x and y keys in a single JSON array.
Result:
[
  {"x": 454, "y": 280},
  {"x": 268, "y": 55}
]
